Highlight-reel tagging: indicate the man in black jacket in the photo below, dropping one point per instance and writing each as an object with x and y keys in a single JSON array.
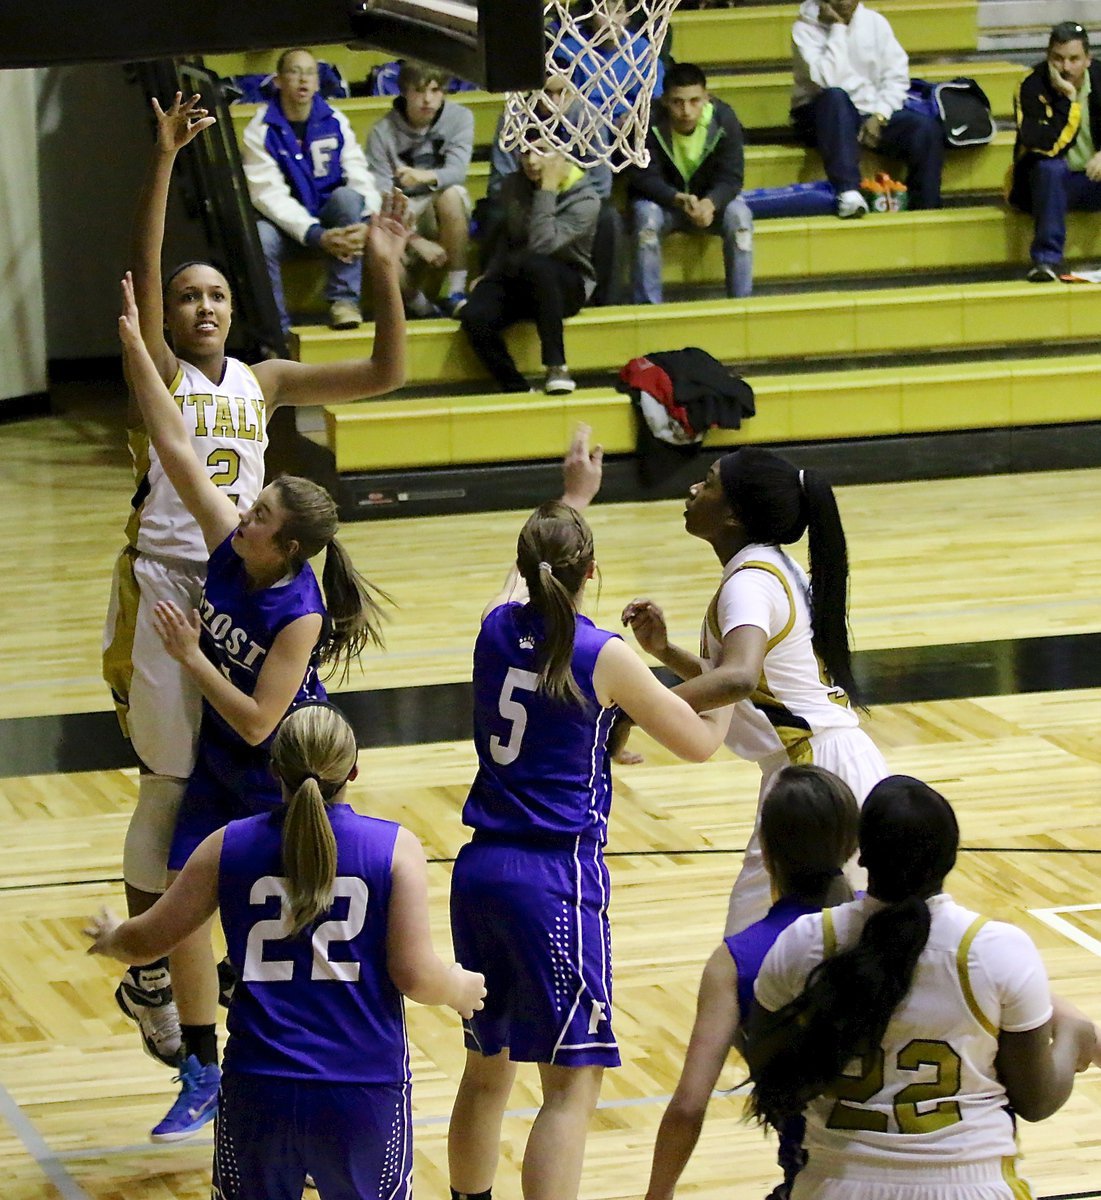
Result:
[
  {"x": 1056, "y": 164},
  {"x": 693, "y": 183}
]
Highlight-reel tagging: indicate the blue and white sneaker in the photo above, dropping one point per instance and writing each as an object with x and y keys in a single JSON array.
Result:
[{"x": 195, "y": 1106}]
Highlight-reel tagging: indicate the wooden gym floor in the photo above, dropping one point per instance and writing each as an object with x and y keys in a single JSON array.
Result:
[{"x": 988, "y": 583}]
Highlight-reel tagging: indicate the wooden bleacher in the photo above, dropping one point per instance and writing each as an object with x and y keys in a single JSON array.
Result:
[{"x": 953, "y": 371}]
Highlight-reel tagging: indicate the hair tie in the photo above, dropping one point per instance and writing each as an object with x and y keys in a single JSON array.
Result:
[
  {"x": 545, "y": 566},
  {"x": 802, "y": 488}
]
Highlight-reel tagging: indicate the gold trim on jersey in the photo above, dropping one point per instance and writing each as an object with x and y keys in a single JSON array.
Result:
[
  {"x": 712, "y": 617},
  {"x": 965, "y": 976},
  {"x": 138, "y": 441},
  {"x": 1018, "y": 1186},
  {"x": 829, "y": 934}
]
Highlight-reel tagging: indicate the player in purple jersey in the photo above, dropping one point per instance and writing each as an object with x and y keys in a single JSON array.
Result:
[
  {"x": 253, "y": 650},
  {"x": 529, "y": 893},
  {"x": 325, "y": 914},
  {"x": 808, "y": 831},
  {"x": 185, "y": 323}
]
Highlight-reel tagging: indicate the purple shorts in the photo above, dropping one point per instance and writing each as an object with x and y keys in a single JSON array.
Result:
[
  {"x": 355, "y": 1139},
  {"x": 212, "y": 800},
  {"x": 534, "y": 920}
]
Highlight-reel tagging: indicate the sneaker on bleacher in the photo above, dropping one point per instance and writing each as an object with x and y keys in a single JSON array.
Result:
[
  {"x": 343, "y": 314},
  {"x": 195, "y": 1106},
  {"x": 1043, "y": 272},
  {"x": 145, "y": 996},
  {"x": 559, "y": 381},
  {"x": 851, "y": 204}
]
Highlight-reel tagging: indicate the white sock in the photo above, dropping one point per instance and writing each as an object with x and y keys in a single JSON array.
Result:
[{"x": 456, "y": 282}]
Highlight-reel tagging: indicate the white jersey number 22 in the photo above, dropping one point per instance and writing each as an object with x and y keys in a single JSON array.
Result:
[{"x": 259, "y": 969}]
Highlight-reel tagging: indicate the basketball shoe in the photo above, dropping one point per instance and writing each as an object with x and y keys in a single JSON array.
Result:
[
  {"x": 145, "y": 996},
  {"x": 195, "y": 1106}
]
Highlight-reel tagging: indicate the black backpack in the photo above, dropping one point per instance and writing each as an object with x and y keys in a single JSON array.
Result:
[{"x": 961, "y": 107}]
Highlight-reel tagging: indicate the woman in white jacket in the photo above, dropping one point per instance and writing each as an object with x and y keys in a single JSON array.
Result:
[{"x": 850, "y": 82}]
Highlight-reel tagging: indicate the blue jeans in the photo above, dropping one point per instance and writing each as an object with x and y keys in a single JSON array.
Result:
[
  {"x": 1057, "y": 190},
  {"x": 651, "y": 222},
  {"x": 344, "y": 207},
  {"x": 831, "y": 122}
]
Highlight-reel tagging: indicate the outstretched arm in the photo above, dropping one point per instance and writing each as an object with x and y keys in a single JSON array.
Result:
[
  {"x": 414, "y": 966},
  {"x": 581, "y": 475},
  {"x": 286, "y": 382},
  {"x": 189, "y": 902},
  {"x": 215, "y": 512},
  {"x": 717, "y": 1018},
  {"x": 182, "y": 123}
]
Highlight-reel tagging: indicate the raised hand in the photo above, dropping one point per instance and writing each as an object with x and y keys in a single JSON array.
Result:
[
  {"x": 582, "y": 470},
  {"x": 182, "y": 123},
  {"x": 179, "y": 634},
  {"x": 389, "y": 231},
  {"x": 129, "y": 319},
  {"x": 647, "y": 623}
]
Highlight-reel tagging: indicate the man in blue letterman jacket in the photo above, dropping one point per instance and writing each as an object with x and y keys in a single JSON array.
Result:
[{"x": 308, "y": 181}]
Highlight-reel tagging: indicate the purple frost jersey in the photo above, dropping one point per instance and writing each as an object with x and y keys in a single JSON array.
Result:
[
  {"x": 748, "y": 949},
  {"x": 542, "y": 764},
  {"x": 239, "y": 627},
  {"x": 320, "y": 1005}
]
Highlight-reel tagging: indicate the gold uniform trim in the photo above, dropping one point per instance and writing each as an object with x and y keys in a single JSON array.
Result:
[
  {"x": 1018, "y": 1186},
  {"x": 965, "y": 976},
  {"x": 829, "y": 934}
]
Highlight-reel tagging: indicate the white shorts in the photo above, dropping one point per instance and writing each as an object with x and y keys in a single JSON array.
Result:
[
  {"x": 422, "y": 209},
  {"x": 991, "y": 1179},
  {"x": 848, "y": 753},
  {"x": 157, "y": 702}
]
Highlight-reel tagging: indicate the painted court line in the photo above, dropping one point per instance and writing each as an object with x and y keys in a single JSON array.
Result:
[
  {"x": 1054, "y": 920},
  {"x": 48, "y": 1162}
]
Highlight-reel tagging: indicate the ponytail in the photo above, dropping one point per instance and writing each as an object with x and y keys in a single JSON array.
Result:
[
  {"x": 776, "y": 504},
  {"x": 829, "y": 578},
  {"x": 309, "y": 854},
  {"x": 841, "y": 1014},
  {"x": 313, "y": 755},
  {"x": 908, "y": 842},
  {"x": 355, "y": 616},
  {"x": 554, "y": 555}
]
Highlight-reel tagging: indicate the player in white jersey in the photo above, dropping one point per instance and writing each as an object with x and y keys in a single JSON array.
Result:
[
  {"x": 908, "y": 1030},
  {"x": 773, "y": 643},
  {"x": 226, "y": 406}
]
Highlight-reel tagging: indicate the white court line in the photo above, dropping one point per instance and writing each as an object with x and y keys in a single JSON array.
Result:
[
  {"x": 1051, "y": 917},
  {"x": 418, "y": 1123},
  {"x": 35, "y": 1144}
]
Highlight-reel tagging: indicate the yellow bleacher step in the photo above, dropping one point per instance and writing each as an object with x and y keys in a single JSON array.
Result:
[
  {"x": 775, "y": 329},
  {"x": 464, "y": 430},
  {"x": 761, "y": 100},
  {"x": 761, "y": 34}
]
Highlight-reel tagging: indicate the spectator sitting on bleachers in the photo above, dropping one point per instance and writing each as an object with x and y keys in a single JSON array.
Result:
[
  {"x": 540, "y": 268},
  {"x": 851, "y": 78},
  {"x": 309, "y": 183},
  {"x": 693, "y": 183},
  {"x": 1056, "y": 164},
  {"x": 608, "y": 244},
  {"x": 422, "y": 147}
]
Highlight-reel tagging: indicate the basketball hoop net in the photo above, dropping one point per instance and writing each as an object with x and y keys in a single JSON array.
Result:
[{"x": 602, "y": 67}]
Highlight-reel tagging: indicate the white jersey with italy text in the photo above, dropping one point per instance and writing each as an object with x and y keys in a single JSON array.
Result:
[
  {"x": 930, "y": 1093},
  {"x": 227, "y": 422},
  {"x": 794, "y": 698}
]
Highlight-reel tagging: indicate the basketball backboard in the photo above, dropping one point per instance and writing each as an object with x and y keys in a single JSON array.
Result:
[{"x": 497, "y": 44}]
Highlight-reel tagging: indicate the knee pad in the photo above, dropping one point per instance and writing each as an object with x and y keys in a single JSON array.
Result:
[{"x": 149, "y": 834}]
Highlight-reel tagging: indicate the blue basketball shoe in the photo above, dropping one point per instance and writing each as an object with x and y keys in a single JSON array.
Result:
[{"x": 195, "y": 1106}]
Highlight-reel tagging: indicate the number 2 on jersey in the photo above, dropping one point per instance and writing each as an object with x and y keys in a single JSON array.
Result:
[
  {"x": 512, "y": 710},
  {"x": 258, "y": 969},
  {"x": 228, "y": 467},
  {"x": 852, "y": 1090}
]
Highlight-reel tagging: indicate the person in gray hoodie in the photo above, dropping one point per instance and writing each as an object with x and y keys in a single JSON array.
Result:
[
  {"x": 422, "y": 148},
  {"x": 540, "y": 268}
]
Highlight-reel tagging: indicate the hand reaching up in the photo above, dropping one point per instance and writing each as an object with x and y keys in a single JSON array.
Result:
[{"x": 182, "y": 123}]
